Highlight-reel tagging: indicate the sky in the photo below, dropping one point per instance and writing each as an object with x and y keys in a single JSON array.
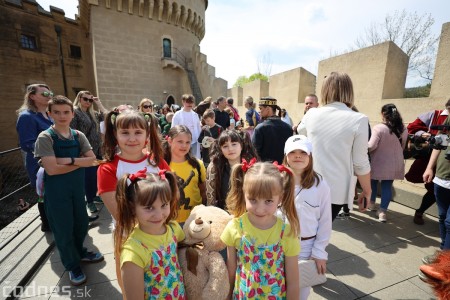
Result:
[{"x": 287, "y": 34}]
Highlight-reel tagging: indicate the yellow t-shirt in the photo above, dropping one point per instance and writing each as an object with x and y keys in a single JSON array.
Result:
[
  {"x": 133, "y": 251},
  {"x": 232, "y": 234},
  {"x": 189, "y": 191}
]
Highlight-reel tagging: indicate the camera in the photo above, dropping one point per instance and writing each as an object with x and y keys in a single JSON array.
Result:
[{"x": 441, "y": 140}]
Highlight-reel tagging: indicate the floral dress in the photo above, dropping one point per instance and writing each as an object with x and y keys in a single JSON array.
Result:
[
  {"x": 162, "y": 275},
  {"x": 260, "y": 270}
]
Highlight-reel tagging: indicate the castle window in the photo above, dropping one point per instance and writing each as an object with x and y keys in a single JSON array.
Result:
[
  {"x": 75, "y": 51},
  {"x": 28, "y": 42},
  {"x": 167, "y": 48}
]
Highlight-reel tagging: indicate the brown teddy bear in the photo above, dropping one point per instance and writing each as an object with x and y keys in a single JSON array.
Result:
[{"x": 204, "y": 270}]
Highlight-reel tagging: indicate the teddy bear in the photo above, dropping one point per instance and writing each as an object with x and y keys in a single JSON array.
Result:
[{"x": 204, "y": 270}]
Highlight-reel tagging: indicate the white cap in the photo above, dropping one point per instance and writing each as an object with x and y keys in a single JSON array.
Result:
[{"x": 298, "y": 142}]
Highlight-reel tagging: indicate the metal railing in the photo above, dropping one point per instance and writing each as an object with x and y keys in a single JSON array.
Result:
[
  {"x": 179, "y": 57},
  {"x": 14, "y": 185}
]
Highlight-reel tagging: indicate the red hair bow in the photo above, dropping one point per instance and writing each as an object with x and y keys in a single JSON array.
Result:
[
  {"x": 247, "y": 165},
  {"x": 139, "y": 174},
  {"x": 282, "y": 168},
  {"x": 162, "y": 174}
]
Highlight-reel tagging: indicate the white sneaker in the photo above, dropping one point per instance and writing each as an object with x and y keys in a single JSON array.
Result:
[
  {"x": 371, "y": 207},
  {"x": 382, "y": 216}
]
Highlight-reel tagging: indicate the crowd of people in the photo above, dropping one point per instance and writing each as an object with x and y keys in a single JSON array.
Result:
[{"x": 283, "y": 183}]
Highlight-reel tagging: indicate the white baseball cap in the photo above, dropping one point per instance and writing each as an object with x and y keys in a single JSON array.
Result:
[{"x": 298, "y": 142}]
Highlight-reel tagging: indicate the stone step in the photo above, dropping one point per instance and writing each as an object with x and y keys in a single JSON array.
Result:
[
  {"x": 410, "y": 194},
  {"x": 20, "y": 257}
]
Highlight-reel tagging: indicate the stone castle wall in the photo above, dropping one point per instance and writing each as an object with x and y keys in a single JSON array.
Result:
[
  {"x": 21, "y": 66},
  {"x": 128, "y": 48}
]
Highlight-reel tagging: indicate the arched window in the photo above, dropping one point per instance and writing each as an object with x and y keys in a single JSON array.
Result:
[{"x": 167, "y": 48}]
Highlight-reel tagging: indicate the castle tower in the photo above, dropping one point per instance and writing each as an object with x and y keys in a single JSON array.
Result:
[{"x": 144, "y": 48}]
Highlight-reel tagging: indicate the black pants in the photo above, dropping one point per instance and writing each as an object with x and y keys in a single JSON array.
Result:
[
  {"x": 335, "y": 209},
  {"x": 428, "y": 199}
]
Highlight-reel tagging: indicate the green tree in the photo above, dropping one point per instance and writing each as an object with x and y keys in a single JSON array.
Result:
[
  {"x": 243, "y": 79},
  {"x": 412, "y": 33}
]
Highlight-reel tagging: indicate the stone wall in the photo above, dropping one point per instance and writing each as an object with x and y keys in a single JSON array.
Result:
[
  {"x": 20, "y": 66},
  {"x": 378, "y": 72},
  {"x": 290, "y": 89},
  {"x": 440, "y": 89},
  {"x": 128, "y": 55}
]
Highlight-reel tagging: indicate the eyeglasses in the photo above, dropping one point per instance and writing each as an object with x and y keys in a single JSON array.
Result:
[
  {"x": 87, "y": 99},
  {"x": 47, "y": 94},
  {"x": 147, "y": 106}
]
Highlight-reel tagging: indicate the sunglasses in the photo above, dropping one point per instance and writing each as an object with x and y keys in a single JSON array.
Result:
[
  {"x": 146, "y": 106},
  {"x": 87, "y": 99},
  {"x": 47, "y": 94}
]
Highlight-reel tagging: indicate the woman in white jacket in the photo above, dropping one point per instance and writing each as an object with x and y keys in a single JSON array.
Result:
[
  {"x": 313, "y": 204},
  {"x": 339, "y": 137}
]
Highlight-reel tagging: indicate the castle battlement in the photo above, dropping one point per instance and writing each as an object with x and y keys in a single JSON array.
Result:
[
  {"x": 184, "y": 14},
  {"x": 32, "y": 7}
]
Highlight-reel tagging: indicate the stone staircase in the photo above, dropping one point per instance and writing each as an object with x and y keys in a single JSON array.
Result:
[{"x": 196, "y": 91}]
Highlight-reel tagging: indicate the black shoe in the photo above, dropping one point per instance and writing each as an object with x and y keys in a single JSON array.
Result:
[
  {"x": 45, "y": 227},
  {"x": 343, "y": 216},
  {"x": 93, "y": 218}
]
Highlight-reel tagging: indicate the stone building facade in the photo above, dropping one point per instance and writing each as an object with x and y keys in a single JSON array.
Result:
[
  {"x": 37, "y": 46},
  {"x": 122, "y": 51}
]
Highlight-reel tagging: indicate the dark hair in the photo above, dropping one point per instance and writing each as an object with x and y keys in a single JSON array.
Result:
[
  {"x": 188, "y": 98},
  {"x": 59, "y": 100},
  {"x": 132, "y": 119},
  {"x": 447, "y": 105},
  {"x": 220, "y": 99},
  {"x": 173, "y": 132},
  {"x": 209, "y": 113},
  {"x": 219, "y": 162},
  {"x": 393, "y": 119},
  {"x": 230, "y": 100},
  {"x": 143, "y": 192}
]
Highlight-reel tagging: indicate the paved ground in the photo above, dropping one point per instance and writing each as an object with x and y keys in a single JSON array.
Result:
[{"x": 367, "y": 260}]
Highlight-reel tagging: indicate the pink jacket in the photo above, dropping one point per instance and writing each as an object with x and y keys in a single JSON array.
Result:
[{"x": 386, "y": 154}]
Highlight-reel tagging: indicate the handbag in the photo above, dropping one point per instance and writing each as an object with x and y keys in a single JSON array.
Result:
[{"x": 308, "y": 274}]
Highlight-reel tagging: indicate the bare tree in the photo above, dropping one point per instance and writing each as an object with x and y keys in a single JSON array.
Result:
[
  {"x": 412, "y": 33},
  {"x": 264, "y": 64}
]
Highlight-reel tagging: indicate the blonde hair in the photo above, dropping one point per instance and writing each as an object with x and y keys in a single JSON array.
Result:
[
  {"x": 28, "y": 103},
  {"x": 263, "y": 180},
  {"x": 337, "y": 87},
  {"x": 145, "y": 100},
  {"x": 91, "y": 111},
  {"x": 142, "y": 192},
  {"x": 249, "y": 101}
]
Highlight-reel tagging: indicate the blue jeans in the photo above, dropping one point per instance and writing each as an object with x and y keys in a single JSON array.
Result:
[
  {"x": 386, "y": 192},
  {"x": 443, "y": 202}
]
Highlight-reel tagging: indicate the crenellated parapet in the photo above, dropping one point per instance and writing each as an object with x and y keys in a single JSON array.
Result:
[
  {"x": 34, "y": 8},
  {"x": 189, "y": 15}
]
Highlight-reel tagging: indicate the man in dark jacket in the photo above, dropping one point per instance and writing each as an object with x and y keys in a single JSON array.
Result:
[{"x": 270, "y": 135}]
